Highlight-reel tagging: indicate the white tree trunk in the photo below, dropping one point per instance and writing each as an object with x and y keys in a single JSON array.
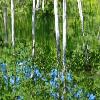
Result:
[
  {"x": 57, "y": 29},
  {"x": 12, "y": 22},
  {"x": 38, "y": 4},
  {"x": 85, "y": 45},
  {"x": 5, "y": 25},
  {"x": 64, "y": 33},
  {"x": 80, "y": 13},
  {"x": 64, "y": 42},
  {"x": 33, "y": 27},
  {"x": 43, "y": 5}
]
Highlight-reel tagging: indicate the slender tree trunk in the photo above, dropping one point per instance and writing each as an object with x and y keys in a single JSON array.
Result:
[
  {"x": 33, "y": 27},
  {"x": 38, "y": 4},
  {"x": 81, "y": 17},
  {"x": 64, "y": 42},
  {"x": 12, "y": 23},
  {"x": 5, "y": 25},
  {"x": 57, "y": 30},
  {"x": 85, "y": 45},
  {"x": 81, "y": 14},
  {"x": 64, "y": 34},
  {"x": 43, "y": 5}
]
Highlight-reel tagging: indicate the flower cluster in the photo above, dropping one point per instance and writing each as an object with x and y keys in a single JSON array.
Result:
[
  {"x": 91, "y": 97},
  {"x": 55, "y": 79}
]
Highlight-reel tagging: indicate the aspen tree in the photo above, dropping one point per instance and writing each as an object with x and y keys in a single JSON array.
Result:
[
  {"x": 5, "y": 24},
  {"x": 43, "y": 5},
  {"x": 80, "y": 13},
  {"x": 37, "y": 4},
  {"x": 85, "y": 45},
  {"x": 64, "y": 34},
  {"x": 57, "y": 30},
  {"x": 64, "y": 41},
  {"x": 12, "y": 23},
  {"x": 33, "y": 27}
]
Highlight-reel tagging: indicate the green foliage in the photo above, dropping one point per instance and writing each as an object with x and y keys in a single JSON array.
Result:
[{"x": 83, "y": 61}]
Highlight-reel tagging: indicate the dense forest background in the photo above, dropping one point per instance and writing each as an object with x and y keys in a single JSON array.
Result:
[{"x": 83, "y": 63}]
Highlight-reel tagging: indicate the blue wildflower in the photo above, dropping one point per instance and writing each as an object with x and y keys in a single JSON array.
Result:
[
  {"x": 55, "y": 95},
  {"x": 54, "y": 73},
  {"x": 5, "y": 77},
  {"x": 17, "y": 80},
  {"x": 20, "y": 98},
  {"x": 62, "y": 97},
  {"x": 3, "y": 68},
  {"x": 27, "y": 71},
  {"x": 44, "y": 79},
  {"x": 21, "y": 63},
  {"x": 91, "y": 97},
  {"x": 35, "y": 79},
  {"x": 12, "y": 80},
  {"x": 37, "y": 73},
  {"x": 69, "y": 77},
  {"x": 54, "y": 83},
  {"x": 78, "y": 94}
]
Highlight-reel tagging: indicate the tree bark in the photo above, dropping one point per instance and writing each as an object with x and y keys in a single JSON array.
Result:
[
  {"x": 38, "y": 4},
  {"x": 57, "y": 30},
  {"x": 81, "y": 14},
  {"x": 64, "y": 34},
  {"x": 33, "y": 27},
  {"x": 64, "y": 42},
  {"x": 5, "y": 25},
  {"x": 12, "y": 23},
  {"x": 85, "y": 44},
  {"x": 43, "y": 5}
]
